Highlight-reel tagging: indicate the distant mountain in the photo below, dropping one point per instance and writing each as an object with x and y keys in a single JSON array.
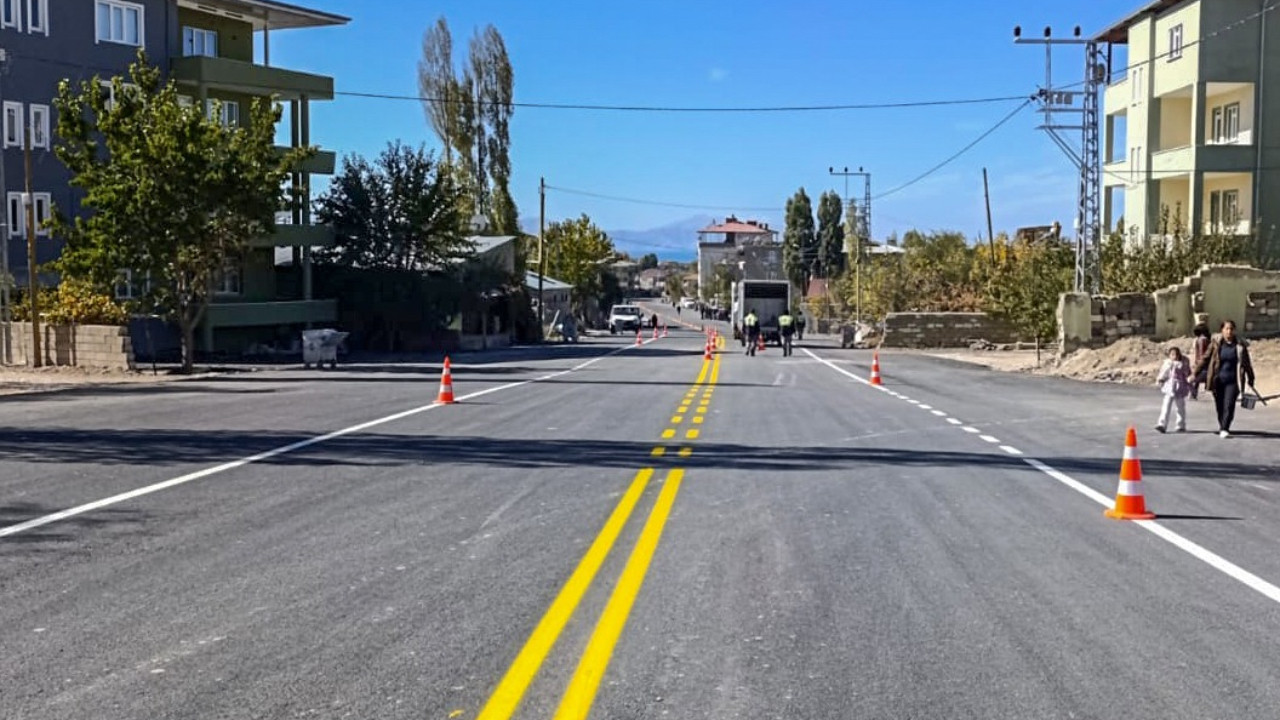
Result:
[{"x": 674, "y": 241}]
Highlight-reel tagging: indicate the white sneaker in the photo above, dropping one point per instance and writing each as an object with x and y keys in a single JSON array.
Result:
[{"x": 1224, "y": 434}]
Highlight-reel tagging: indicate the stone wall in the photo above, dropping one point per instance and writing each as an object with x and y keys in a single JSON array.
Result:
[
  {"x": 944, "y": 330},
  {"x": 95, "y": 346},
  {"x": 1262, "y": 316},
  {"x": 1109, "y": 318}
]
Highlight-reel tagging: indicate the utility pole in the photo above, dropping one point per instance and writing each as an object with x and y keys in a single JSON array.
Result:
[
  {"x": 33, "y": 289},
  {"x": 861, "y": 229},
  {"x": 6, "y": 308},
  {"x": 1088, "y": 275},
  {"x": 542, "y": 252},
  {"x": 991, "y": 235}
]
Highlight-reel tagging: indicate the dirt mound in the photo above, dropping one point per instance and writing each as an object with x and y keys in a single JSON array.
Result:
[{"x": 1136, "y": 361}]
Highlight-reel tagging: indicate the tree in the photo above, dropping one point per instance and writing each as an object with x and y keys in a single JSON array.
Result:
[
  {"x": 399, "y": 212},
  {"x": 831, "y": 257},
  {"x": 649, "y": 261},
  {"x": 577, "y": 251},
  {"x": 1026, "y": 281},
  {"x": 471, "y": 114},
  {"x": 674, "y": 285},
  {"x": 799, "y": 243},
  {"x": 175, "y": 195}
]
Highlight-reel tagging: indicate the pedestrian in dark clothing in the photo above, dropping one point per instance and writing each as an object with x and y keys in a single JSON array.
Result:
[
  {"x": 1228, "y": 370},
  {"x": 799, "y": 326}
]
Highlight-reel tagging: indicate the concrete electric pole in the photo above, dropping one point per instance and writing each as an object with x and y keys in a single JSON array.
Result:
[{"x": 862, "y": 228}]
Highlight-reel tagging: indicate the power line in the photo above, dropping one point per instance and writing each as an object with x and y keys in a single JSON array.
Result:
[
  {"x": 687, "y": 109},
  {"x": 953, "y": 157}
]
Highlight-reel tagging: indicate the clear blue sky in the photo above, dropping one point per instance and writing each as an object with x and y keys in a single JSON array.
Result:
[{"x": 720, "y": 53}]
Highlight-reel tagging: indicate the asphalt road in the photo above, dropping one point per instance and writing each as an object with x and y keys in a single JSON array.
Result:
[{"x": 571, "y": 540}]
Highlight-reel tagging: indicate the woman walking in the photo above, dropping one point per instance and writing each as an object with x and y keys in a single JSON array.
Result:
[
  {"x": 1228, "y": 371},
  {"x": 1199, "y": 348}
]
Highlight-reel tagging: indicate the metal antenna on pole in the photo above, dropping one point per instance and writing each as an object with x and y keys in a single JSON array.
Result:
[{"x": 1087, "y": 159}]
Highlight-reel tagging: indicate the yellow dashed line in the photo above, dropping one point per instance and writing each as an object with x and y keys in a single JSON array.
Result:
[
  {"x": 686, "y": 451},
  {"x": 692, "y": 434},
  {"x": 668, "y": 433},
  {"x": 702, "y": 409},
  {"x": 677, "y": 419},
  {"x": 659, "y": 451},
  {"x": 697, "y": 419}
]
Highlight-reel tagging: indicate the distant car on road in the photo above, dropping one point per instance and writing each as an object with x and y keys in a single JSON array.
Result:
[
  {"x": 625, "y": 318},
  {"x": 688, "y": 303}
]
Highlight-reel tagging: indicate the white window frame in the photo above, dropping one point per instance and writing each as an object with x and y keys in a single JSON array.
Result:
[
  {"x": 43, "y": 7},
  {"x": 110, "y": 89},
  {"x": 1231, "y": 208},
  {"x": 123, "y": 7},
  {"x": 230, "y": 281},
  {"x": 1217, "y": 125},
  {"x": 16, "y": 20},
  {"x": 39, "y": 119},
  {"x": 228, "y": 115},
  {"x": 45, "y": 200},
  {"x": 190, "y": 35},
  {"x": 17, "y": 214},
  {"x": 14, "y": 117},
  {"x": 132, "y": 286},
  {"x": 1175, "y": 42},
  {"x": 1231, "y": 122}
]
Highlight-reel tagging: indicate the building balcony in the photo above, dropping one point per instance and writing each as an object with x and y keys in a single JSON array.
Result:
[
  {"x": 322, "y": 162},
  {"x": 265, "y": 314},
  {"x": 1173, "y": 162},
  {"x": 238, "y": 76},
  {"x": 1115, "y": 99},
  {"x": 296, "y": 236},
  {"x": 1116, "y": 173}
]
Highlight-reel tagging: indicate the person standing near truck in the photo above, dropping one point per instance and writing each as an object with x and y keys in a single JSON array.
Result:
[
  {"x": 800, "y": 325},
  {"x": 786, "y": 328},
  {"x": 751, "y": 328}
]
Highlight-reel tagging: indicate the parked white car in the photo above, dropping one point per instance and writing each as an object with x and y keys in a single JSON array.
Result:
[{"x": 625, "y": 318}]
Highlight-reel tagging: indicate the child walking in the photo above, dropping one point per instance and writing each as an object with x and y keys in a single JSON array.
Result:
[{"x": 1175, "y": 384}]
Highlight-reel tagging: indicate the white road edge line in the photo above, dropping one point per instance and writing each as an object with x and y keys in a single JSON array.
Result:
[
  {"x": 276, "y": 452},
  {"x": 1011, "y": 450},
  {"x": 1268, "y": 590},
  {"x": 991, "y": 439}
]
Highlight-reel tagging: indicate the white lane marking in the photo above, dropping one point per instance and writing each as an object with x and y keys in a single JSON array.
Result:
[
  {"x": 926, "y": 407},
  {"x": 955, "y": 421},
  {"x": 971, "y": 429},
  {"x": 1217, "y": 562},
  {"x": 939, "y": 413},
  {"x": 276, "y": 452},
  {"x": 914, "y": 402},
  {"x": 990, "y": 439}
]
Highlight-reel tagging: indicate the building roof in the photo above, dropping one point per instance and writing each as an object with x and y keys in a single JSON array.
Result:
[
  {"x": 734, "y": 225},
  {"x": 488, "y": 243},
  {"x": 548, "y": 283},
  {"x": 267, "y": 14},
  {"x": 1118, "y": 32}
]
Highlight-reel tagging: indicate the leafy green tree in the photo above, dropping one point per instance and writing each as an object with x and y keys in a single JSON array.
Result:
[
  {"x": 471, "y": 114},
  {"x": 577, "y": 253},
  {"x": 1026, "y": 281},
  {"x": 674, "y": 286},
  {"x": 799, "y": 241},
  {"x": 175, "y": 195},
  {"x": 400, "y": 212},
  {"x": 831, "y": 257},
  {"x": 649, "y": 261}
]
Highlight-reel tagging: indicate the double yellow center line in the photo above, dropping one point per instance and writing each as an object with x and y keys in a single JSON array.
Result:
[{"x": 581, "y": 693}]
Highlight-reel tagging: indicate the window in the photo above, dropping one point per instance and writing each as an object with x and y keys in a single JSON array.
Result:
[
  {"x": 13, "y": 124},
  {"x": 198, "y": 41},
  {"x": 1135, "y": 80},
  {"x": 228, "y": 281},
  {"x": 1175, "y": 42},
  {"x": 109, "y": 90},
  {"x": 10, "y": 14},
  {"x": 1224, "y": 209},
  {"x": 18, "y": 212},
  {"x": 131, "y": 284},
  {"x": 1135, "y": 164},
  {"x": 229, "y": 113},
  {"x": 120, "y": 22},
  {"x": 186, "y": 101},
  {"x": 1226, "y": 124},
  {"x": 38, "y": 16},
  {"x": 40, "y": 126}
]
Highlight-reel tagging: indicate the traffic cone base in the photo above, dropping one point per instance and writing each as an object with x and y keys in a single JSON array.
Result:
[
  {"x": 446, "y": 385},
  {"x": 875, "y": 370},
  {"x": 1130, "y": 503}
]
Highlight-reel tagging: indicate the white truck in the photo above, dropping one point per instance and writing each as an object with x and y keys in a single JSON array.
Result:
[{"x": 770, "y": 299}]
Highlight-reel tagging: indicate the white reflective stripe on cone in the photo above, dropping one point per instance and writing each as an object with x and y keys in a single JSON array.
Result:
[
  {"x": 1130, "y": 488},
  {"x": 1130, "y": 453}
]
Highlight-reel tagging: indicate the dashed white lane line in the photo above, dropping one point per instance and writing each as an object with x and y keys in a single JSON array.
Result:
[
  {"x": 939, "y": 413},
  {"x": 1228, "y": 568},
  {"x": 990, "y": 439},
  {"x": 926, "y": 407},
  {"x": 971, "y": 429},
  {"x": 282, "y": 450},
  {"x": 955, "y": 421}
]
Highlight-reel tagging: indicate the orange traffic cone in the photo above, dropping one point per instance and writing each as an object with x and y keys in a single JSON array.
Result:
[
  {"x": 664, "y": 331},
  {"x": 446, "y": 385},
  {"x": 706, "y": 351},
  {"x": 760, "y": 343},
  {"x": 639, "y": 341},
  {"x": 1130, "y": 504},
  {"x": 875, "y": 369}
]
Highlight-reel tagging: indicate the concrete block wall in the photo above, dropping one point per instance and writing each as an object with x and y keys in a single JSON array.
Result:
[
  {"x": 89, "y": 346},
  {"x": 944, "y": 330},
  {"x": 1262, "y": 316}
]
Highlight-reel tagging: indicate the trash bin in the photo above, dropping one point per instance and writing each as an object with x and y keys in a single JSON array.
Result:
[{"x": 321, "y": 346}]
